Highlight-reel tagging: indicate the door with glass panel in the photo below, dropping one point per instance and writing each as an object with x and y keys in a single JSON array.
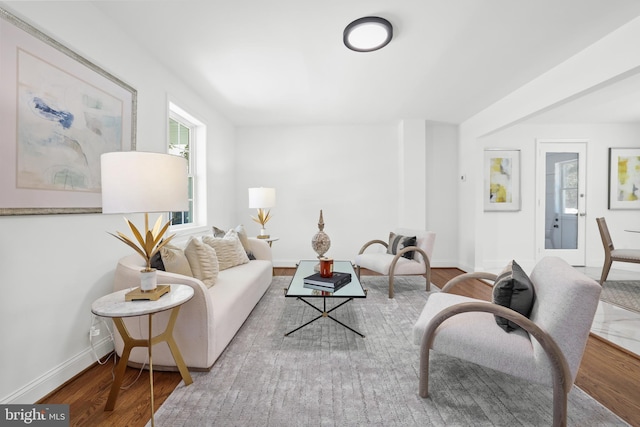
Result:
[{"x": 561, "y": 200}]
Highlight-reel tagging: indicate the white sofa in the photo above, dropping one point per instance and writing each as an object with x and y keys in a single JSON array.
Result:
[{"x": 207, "y": 322}]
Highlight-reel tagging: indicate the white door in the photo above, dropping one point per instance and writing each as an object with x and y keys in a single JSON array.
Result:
[{"x": 561, "y": 200}]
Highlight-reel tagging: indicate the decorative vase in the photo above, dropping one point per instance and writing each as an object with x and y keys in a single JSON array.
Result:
[
  {"x": 263, "y": 234},
  {"x": 148, "y": 279},
  {"x": 321, "y": 241}
]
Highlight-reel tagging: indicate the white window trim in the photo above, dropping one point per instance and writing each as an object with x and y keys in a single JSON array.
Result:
[{"x": 198, "y": 165}]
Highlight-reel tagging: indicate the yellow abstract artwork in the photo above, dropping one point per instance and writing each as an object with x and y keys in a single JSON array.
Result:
[
  {"x": 500, "y": 181},
  {"x": 501, "y": 190},
  {"x": 628, "y": 179}
]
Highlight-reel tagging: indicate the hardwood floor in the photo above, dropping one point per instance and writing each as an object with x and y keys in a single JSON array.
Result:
[{"x": 608, "y": 373}]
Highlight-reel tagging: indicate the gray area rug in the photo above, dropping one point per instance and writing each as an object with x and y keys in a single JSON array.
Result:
[
  {"x": 623, "y": 293},
  {"x": 325, "y": 375}
]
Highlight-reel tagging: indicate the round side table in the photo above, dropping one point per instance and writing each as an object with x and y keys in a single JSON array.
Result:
[{"x": 115, "y": 307}]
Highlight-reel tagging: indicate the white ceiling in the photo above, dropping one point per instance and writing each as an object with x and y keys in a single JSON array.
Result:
[{"x": 264, "y": 62}]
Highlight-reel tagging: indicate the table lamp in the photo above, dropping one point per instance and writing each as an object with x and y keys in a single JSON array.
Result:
[
  {"x": 144, "y": 182},
  {"x": 262, "y": 198}
]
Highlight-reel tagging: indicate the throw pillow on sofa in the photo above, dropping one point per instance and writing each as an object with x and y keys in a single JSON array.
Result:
[
  {"x": 242, "y": 235},
  {"x": 156, "y": 262},
  {"x": 203, "y": 261},
  {"x": 218, "y": 232},
  {"x": 513, "y": 289},
  {"x": 175, "y": 261},
  {"x": 228, "y": 249}
]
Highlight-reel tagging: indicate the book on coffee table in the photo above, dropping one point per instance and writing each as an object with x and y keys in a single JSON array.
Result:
[
  {"x": 330, "y": 289},
  {"x": 337, "y": 279}
]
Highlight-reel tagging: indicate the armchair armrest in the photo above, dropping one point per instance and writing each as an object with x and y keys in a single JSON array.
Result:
[
  {"x": 372, "y": 242},
  {"x": 467, "y": 276},
  {"x": 402, "y": 251},
  {"x": 396, "y": 258},
  {"x": 560, "y": 371}
]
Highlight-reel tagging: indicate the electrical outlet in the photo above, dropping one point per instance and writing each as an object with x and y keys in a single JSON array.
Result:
[{"x": 94, "y": 332}]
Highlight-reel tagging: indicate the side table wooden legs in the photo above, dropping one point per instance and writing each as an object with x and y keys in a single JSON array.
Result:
[{"x": 130, "y": 343}]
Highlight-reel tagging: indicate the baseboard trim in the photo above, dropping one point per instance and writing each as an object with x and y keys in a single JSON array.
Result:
[{"x": 43, "y": 385}]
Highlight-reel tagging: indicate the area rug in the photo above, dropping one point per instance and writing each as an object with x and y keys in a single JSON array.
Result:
[
  {"x": 623, "y": 293},
  {"x": 325, "y": 375}
]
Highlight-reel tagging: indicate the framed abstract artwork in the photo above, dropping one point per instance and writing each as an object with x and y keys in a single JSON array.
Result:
[
  {"x": 60, "y": 112},
  {"x": 501, "y": 180},
  {"x": 624, "y": 178}
]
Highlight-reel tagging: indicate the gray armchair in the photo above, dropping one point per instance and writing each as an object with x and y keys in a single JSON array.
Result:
[
  {"x": 546, "y": 349},
  {"x": 400, "y": 260}
]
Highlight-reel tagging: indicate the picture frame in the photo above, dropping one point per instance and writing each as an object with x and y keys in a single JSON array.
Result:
[
  {"x": 624, "y": 178},
  {"x": 501, "y": 180},
  {"x": 60, "y": 112}
]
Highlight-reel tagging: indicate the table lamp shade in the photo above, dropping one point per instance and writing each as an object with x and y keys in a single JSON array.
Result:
[
  {"x": 261, "y": 197},
  {"x": 136, "y": 181}
]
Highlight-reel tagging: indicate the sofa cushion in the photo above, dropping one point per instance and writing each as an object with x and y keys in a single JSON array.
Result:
[
  {"x": 513, "y": 289},
  {"x": 242, "y": 235},
  {"x": 398, "y": 242},
  {"x": 228, "y": 249},
  {"x": 203, "y": 261},
  {"x": 175, "y": 261}
]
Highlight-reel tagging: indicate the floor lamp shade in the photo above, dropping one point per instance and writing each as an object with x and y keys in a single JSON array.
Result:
[
  {"x": 136, "y": 181},
  {"x": 261, "y": 198}
]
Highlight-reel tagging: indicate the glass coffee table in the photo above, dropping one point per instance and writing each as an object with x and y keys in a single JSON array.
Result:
[{"x": 298, "y": 290}]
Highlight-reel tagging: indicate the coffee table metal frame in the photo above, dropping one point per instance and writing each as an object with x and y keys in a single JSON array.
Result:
[{"x": 350, "y": 291}]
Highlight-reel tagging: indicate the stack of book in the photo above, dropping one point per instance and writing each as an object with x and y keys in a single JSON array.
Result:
[{"x": 329, "y": 284}]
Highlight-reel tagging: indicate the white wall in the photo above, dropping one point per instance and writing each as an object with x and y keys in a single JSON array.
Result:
[
  {"x": 53, "y": 267},
  {"x": 350, "y": 172},
  {"x": 511, "y": 235},
  {"x": 412, "y": 189},
  {"x": 355, "y": 174},
  {"x": 442, "y": 176}
]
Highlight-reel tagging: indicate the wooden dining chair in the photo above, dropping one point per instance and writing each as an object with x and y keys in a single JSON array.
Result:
[{"x": 611, "y": 253}]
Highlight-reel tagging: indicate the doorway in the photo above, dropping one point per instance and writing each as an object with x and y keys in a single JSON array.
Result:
[{"x": 561, "y": 200}]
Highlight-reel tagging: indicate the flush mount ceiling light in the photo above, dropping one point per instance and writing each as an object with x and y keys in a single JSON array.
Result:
[{"x": 368, "y": 34}]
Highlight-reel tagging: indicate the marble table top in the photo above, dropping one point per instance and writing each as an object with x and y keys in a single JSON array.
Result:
[{"x": 114, "y": 304}]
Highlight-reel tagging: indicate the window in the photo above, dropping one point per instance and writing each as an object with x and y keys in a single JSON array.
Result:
[
  {"x": 186, "y": 139},
  {"x": 569, "y": 187}
]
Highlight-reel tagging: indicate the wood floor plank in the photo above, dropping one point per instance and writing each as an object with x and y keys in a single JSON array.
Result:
[{"x": 609, "y": 374}]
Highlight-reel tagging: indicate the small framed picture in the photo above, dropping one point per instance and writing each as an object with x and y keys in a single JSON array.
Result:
[
  {"x": 501, "y": 180},
  {"x": 624, "y": 178}
]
